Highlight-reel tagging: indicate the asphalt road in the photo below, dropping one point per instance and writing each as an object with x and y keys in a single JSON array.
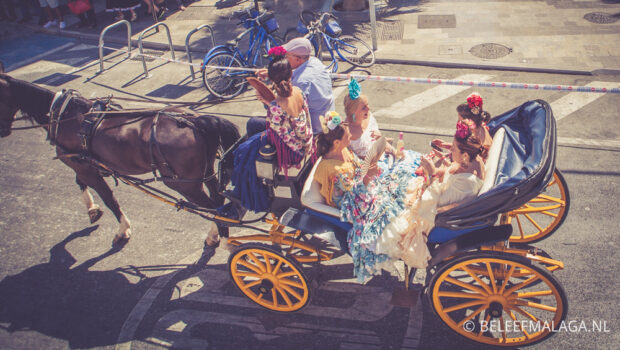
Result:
[{"x": 62, "y": 286}]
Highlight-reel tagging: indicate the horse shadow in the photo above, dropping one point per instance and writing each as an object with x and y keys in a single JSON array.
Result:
[{"x": 86, "y": 308}]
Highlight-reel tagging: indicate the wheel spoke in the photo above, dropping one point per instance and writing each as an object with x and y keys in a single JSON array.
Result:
[
  {"x": 292, "y": 283},
  {"x": 249, "y": 266},
  {"x": 277, "y": 268},
  {"x": 274, "y": 296},
  {"x": 524, "y": 313},
  {"x": 535, "y": 305},
  {"x": 464, "y": 305},
  {"x": 247, "y": 274},
  {"x": 533, "y": 222},
  {"x": 486, "y": 321},
  {"x": 533, "y": 294},
  {"x": 256, "y": 261},
  {"x": 470, "y": 316},
  {"x": 284, "y": 296},
  {"x": 520, "y": 227},
  {"x": 503, "y": 329},
  {"x": 506, "y": 278},
  {"x": 291, "y": 291},
  {"x": 267, "y": 262},
  {"x": 465, "y": 285},
  {"x": 521, "y": 285},
  {"x": 491, "y": 277},
  {"x": 520, "y": 325},
  {"x": 552, "y": 199},
  {"x": 475, "y": 277},
  {"x": 251, "y": 284},
  {"x": 286, "y": 274},
  {"x": 461, "y": 295}
]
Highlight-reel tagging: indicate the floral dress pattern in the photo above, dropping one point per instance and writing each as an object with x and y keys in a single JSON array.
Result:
[
  {"x": 291, "y": 135},
  {"x": 370, "y": 208}
]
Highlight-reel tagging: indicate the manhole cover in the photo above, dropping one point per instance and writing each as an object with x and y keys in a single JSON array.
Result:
[
  {"x": 391, "y": 30},
  {"x": 490, "y": 50},
  {"x": 600, "y": 17},
  {"x": 137, "y": 57},
  {"x": 436, "y": 21}
]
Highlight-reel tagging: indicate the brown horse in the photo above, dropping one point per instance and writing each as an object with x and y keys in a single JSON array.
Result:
[{"x": 183, "y": 153}]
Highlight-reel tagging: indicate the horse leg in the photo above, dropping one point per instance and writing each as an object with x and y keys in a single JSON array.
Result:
[
  {"x": 194, "y": 192},
  {"x": 212, "y": 185},
  {"x": 92, "y": 179},
  {"x": 94, "y": 211}
]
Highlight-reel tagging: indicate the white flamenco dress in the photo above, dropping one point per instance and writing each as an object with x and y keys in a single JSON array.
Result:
[{"x": 406, "y": 235}]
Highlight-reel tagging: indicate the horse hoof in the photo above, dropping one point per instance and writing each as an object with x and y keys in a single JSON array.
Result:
[
  {"x": 120, "y": 241},
  {"x": 94, "y": 215}
]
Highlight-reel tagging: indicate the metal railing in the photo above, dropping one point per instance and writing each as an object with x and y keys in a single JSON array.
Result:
[
  {"x": 154, "y": 26},
  {"x": 103, "y": 32},
  {"x": 189, "y": 56}
]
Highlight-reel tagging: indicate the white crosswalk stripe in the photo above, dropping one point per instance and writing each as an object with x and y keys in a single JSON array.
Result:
[
  {"x": 574, "y": 101},
  {"x": 427, "y": 98}
]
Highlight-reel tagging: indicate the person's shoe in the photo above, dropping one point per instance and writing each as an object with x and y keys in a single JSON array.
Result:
[
  {"x": 50, "y": 24},
  {"x": 134, "y": 17},
  {"x": 182, "y": 8},
  {"x": 62, "y": 25}
]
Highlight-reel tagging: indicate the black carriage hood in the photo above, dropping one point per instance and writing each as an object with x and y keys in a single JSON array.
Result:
[{"x": 526, "y": 165}]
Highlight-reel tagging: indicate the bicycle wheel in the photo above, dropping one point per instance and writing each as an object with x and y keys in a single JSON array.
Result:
[
  {"x": 354, "y": 51},
  {"x": 543, "y": 215},
  {"x": 484, "y": 307},
  {"x": 292, "y": 33},
  {"x": 222, "y": 82}
]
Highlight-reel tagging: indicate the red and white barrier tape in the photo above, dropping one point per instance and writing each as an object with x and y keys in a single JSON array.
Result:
[{"x": 482, "y": 84}]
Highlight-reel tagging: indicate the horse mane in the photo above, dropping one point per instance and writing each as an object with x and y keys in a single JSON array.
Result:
[{"x": 35, "y": 101}]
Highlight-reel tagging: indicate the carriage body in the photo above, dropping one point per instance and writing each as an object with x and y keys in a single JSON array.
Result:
[{"x": 473, "y": 276}]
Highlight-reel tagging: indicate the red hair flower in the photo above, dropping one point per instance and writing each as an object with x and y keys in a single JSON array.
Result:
[
  {"x": 462, "y": 131},
  {"x": 474, "y": 101},
  {"x": 277, "y": 51}
]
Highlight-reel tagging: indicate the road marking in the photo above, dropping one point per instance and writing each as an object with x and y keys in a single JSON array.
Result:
[
  {"x": 427, "y": 98},
  {"x": 574, "y": 101},
  {"x": 38, "y": 57}
]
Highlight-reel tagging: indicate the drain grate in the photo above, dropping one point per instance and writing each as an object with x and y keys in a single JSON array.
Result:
[
  {"x": 490, "y": 50},
  {"x": 146, "y": 58},
  {"x": 600, "y": 17},
  {"x": 392, "y": 30},
  {"x": 436, "y": 21}
]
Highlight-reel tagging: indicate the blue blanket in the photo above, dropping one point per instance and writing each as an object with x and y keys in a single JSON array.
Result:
[{"x": 247, "y": 187}]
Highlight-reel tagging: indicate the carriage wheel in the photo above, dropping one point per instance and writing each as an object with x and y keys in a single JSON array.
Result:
[
  {"x": 541, "y": 216},
  {"x": 268, "y": 278},
  {"x": 498, "y": 308}
]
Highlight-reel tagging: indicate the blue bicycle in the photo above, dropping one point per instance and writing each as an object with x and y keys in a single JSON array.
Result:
[
  {"x": 324, "y": 31},
  {"x": 223, "y": 70}
]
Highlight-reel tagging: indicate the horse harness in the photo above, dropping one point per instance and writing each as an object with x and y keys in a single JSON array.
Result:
[{"x": 91, "y": 122}]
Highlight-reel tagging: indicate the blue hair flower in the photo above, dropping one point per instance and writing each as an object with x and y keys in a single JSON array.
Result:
[{"x": 355, "y": 89}]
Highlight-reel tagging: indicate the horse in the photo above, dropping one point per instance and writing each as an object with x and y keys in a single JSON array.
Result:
[{"x": 184, "y": 151}]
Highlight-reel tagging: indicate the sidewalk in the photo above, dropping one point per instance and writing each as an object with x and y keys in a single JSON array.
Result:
[{"x": 570, "y": 36}]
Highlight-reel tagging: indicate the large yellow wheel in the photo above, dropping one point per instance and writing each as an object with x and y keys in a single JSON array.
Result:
[
  {"x": 541, "y": 216},
  {"x": 498, "y": 308},
  {"x": 268, "y": 278}
]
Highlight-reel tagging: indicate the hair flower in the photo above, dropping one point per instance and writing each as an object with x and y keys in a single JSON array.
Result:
[
  {"x": 354, "y": 89},
  {"x": 276, "y": 51},
  {"x": 462, "y": 131},
  {"x": 330, "y": 121},
  {"x": 474, "y": 101}
]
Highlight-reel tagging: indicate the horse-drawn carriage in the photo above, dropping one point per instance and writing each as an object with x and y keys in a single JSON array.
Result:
[{"x": 475, "y": 277}]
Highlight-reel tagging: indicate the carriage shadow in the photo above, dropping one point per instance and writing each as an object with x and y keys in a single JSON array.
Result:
[{"x": 85, "y": 308}]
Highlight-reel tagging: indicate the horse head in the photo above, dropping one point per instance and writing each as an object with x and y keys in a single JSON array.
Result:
[{"x": 8, "y": 108}]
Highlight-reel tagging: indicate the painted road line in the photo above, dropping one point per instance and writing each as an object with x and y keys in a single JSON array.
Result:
[
  {"x": 38, "y": 57},
  {"x": 574, "y": 101},
  {"x": 427, "y": 98}
]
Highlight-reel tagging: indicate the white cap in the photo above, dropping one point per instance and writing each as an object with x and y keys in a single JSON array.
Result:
[{"x": 298, "y": 46}]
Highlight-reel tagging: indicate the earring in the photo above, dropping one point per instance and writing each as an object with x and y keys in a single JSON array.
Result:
[{"x": 353, "y": 117}]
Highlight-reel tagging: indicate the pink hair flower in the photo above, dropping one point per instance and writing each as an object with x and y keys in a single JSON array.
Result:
[
  {"x": 474, "y": 101},
  {"x": 277, "y": 51},
  {"x": 462, "y": 131}
]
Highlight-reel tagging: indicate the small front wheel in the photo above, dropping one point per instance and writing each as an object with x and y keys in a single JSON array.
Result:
[
  {"x": 222, "y": 77},
  {"x": 268, "y": 278},
  {"x": 354, "y": 51}
]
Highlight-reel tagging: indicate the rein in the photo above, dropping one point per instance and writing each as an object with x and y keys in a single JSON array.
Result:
[{"x": 38, "y": 126}]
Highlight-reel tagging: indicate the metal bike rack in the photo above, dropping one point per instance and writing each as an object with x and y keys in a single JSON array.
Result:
[
  {"x": 128, "y": 25},
  {"x": 154, "y": 26},
  {"x": 189, "y": 56}
]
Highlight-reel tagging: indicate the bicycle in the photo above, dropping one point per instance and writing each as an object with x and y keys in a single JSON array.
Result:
[
  {"x": 222, "y": 69},
  {"x": 324, "y": 30}
]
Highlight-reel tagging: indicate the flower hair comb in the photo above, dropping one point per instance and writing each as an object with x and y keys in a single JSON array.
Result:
[
  {"x": 474, "y": 101},
  {"x": 462, "y": 131},
  {"x": 276, "y": 51},
  {"x": 355, "y": 90},
  {"x": 330, "y": 121}
]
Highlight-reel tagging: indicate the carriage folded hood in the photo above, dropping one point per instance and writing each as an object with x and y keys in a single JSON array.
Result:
[{"x": 526, "y": 164}]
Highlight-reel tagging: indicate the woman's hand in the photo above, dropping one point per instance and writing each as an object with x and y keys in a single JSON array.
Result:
[
  {"x": 375, "y": 135},
  {"x": 262, "y": 74},
  {"x": 373, "y": 171},
  {"x": 441, "y": 144}
]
